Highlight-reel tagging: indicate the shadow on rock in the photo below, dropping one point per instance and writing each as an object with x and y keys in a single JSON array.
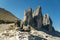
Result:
[
  {"x": 53, "y": 33},
  {"x": 31, "y": 37}
]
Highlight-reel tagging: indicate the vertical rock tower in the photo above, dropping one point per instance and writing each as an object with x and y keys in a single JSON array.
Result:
[
  {"x": 37, "y": 20},
  {"x": 28, "y": 16},
  {"x": 47, "y": 22}
]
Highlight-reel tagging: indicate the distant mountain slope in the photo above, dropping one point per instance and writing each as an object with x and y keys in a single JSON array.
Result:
[{"x": 7, "y": 16}]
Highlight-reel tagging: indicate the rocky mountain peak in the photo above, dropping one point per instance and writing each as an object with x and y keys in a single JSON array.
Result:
[
  {"x": 37, "y": 11},
  {"x": 46, "y": 19},
  {"x": 37, "y": 20}
]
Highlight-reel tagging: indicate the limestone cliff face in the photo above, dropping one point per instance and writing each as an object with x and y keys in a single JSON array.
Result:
[
  {"x": 47, "y": 22},
  {"x": 37, "y": 20},
  {"x": 46, "y": 19},
  {"x": 28, "y": 16}
]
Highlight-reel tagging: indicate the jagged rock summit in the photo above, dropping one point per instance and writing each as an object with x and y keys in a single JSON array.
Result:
[{"x": 37, "y": 20}]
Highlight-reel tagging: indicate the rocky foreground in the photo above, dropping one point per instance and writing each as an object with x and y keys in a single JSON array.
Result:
[{"x": 33, "y": 35}]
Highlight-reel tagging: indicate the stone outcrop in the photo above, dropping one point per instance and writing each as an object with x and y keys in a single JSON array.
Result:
[
  {"x": 37, "y": 20},
  {"x": 47, "y": 23},
  {"x": 46, "y": 20},
  {"x": 28, "y": 16}
]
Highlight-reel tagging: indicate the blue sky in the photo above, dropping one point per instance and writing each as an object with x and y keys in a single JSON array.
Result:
[{"x": 17, "y": 7}]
